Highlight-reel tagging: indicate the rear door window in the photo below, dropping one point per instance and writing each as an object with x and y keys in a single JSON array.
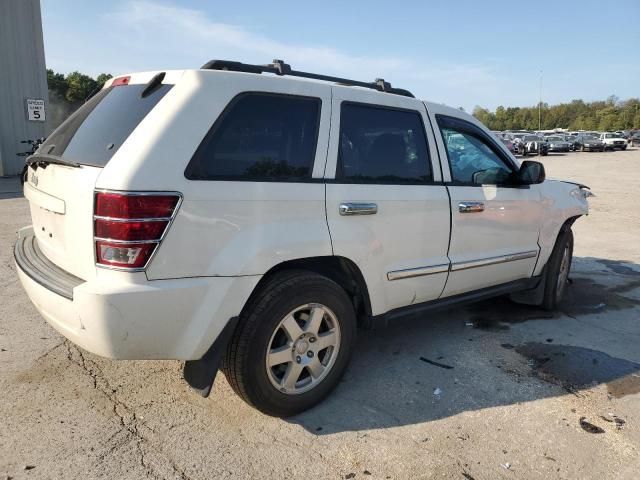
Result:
[
  {"x": 382, "y": 145},
  {"x": 99, "y": 128},
  {"x": 260, "y": 137}
]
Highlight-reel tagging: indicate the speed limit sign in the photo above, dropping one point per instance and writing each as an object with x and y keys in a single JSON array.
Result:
[{"x": 35, "y": 110}]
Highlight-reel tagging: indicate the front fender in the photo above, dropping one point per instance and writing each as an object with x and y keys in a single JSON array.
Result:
[{"x": 562, "y": 201}]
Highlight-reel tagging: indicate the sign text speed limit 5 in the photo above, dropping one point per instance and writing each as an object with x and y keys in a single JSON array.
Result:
[{"x": 35, "y": 110}]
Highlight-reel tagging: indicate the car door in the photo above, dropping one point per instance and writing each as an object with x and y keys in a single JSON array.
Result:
[
  {"x": 494, "y": 222},
  {"x": 387, "y": 208}
]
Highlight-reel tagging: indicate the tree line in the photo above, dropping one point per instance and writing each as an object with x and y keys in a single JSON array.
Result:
[
  {"x": 610, "y": 114},
  {"x": 74, "y": 87},
  {"x": 607, "y": 115}
]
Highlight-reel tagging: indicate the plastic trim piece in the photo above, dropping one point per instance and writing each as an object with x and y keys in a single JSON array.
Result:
[{"x": 40, "y": 269}]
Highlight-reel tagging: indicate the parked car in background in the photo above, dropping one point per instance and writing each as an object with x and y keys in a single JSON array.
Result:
[
  {"x": 570, "y": 140},
  {"x": 588, "y": 143},
  {"x": 557, "y": 143},
  {"x": 256, "y": 234},
  {"x": 518, "y": 144},
  {"x": 535, "y": 144},
  {"x": 506, "y": 141},
  {"x": 613, "y": 141},
  {"x": 634, "y": 139}
]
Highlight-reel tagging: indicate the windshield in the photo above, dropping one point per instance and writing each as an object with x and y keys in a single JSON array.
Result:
[
  {"x": 99, "y": 128},
  {"x": 555, "y": 139},
  {"x": 612, "y": 135},
  {"x": 590, "y": 137},
  {"x": 530, "y": 138}
]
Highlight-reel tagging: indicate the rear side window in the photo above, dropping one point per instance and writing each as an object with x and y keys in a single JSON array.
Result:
[
  {"x": 260, "y": 137},
  {"x": 99, "y": 128},
  {"x": 382, "y": 145}
]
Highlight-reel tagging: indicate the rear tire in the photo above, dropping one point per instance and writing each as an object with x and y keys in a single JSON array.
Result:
[
  {"x": 557, "y": 271},
  {"x": 277, "y": 360}
]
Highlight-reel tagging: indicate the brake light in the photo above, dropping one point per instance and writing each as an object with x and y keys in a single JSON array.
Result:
[
  {"x": 128, "y": 227},
  {"x": 120, "y": 81}
]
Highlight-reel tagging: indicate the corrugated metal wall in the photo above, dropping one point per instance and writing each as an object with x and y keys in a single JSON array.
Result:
[{"x": 22, "y": 75}]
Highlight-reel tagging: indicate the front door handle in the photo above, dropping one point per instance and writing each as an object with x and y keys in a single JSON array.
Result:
[
  {"x": 470, "y": 207},
  {"x": 358, "y": 209}
]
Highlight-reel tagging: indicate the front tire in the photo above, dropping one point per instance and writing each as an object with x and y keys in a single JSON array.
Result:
[
  {"x": 558, "y": 268},
  {"x": 292, "y": 344}
]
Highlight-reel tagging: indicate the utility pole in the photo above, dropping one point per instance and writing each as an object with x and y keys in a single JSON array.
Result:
[{"x": 540, "y": 105}]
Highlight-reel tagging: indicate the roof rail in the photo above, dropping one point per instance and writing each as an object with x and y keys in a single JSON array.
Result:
[{"x": 279, "y": 67}]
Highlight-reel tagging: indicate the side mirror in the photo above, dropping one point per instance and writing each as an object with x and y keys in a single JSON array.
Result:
[{"x": 531, "y": 173}]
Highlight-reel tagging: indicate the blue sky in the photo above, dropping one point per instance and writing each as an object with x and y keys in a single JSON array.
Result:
[{"x": 462, "y": 53}]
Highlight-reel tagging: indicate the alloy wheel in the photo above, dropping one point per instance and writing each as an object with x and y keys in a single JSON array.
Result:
[{"x": 303, "y": 349}]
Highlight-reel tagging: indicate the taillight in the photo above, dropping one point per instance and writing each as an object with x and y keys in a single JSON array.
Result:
[{"x": 128, "y": 227}]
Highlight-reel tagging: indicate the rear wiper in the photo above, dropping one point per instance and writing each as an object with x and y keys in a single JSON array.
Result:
[{"x": 44, "y": 159}]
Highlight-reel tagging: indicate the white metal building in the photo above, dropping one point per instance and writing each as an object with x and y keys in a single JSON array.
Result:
[{"x": 23, "y": 81}]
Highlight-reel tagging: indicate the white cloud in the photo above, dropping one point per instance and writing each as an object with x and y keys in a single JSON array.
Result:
[{"x": 145, "y": 34}]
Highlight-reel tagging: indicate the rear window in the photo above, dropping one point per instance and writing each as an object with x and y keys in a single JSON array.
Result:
[
  {"x": 99, "y": 128},
  {"x": 382, "y": 145},
  {"x": 260, "y": 137}
]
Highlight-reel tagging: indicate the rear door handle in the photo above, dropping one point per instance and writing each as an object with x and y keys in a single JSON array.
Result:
[
  {"x": 470, "y": 207},
  {"x": 358, "y": 209}
]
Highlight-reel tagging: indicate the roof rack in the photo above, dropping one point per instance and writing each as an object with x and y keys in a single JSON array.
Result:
[{"x": 279, "y": 67}]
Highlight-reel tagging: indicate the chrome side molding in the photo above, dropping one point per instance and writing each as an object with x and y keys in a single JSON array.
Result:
[
  {"x": 417, "y": 272},
  {"x": 351, "y": 208},
  {"x": 483, "y": 262},
  {"x": 454, "y": 267}
]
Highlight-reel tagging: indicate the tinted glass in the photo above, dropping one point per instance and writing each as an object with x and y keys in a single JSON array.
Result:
[
  {"x": 471, "y": 157},
  {"x": 99, "y": 128},
  {"x": 260, "y": 136},
  {"x": 382, "y": 145}
]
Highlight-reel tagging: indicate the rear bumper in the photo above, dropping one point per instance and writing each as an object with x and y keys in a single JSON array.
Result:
[{"x": 124, "y": 316}]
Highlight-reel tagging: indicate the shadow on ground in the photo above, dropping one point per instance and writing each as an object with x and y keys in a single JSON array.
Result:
[{"x": 462, "y": 359}]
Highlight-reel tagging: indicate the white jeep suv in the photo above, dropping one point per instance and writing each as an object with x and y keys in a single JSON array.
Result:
[{"x": 249, "y": 218}]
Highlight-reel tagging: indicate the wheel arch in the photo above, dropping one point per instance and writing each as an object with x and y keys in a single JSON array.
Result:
[{"x": 341, "y": 270}]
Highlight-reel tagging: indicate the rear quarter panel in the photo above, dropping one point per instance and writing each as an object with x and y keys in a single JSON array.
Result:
[{"x": 223, "y": 228}]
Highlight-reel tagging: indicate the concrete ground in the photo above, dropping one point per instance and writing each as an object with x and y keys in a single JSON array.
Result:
[{"x": 513, "y": 393}]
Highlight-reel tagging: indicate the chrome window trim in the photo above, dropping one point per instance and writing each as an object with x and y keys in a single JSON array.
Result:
[
  {"x": 158, "y": 242},
  {"x": 417, "y": 272},
  {"x": 483, "y": 262}
]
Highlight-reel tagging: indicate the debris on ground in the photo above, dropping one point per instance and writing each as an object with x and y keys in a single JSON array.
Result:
[
  {"x": 506, "y": 466},
  {"x": 350, "y": 475},
  {"x": 437, "y": 391},
  {"x": 590, "y": 427},
  {"x": 611, "y": 418},
  {"x": 437, "y": 364}
]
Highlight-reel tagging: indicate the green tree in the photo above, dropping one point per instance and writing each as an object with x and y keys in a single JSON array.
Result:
[
  {"x": 56, "y": 83},
  {"x": 609, "y": 114},
  {"x": 102, "y": 78},
  {"x": 80, "y": 87}
]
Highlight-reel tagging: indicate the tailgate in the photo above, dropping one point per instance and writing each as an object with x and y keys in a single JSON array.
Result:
[
  {"x": 61, "y": 196},
  {"x": 61, "y": 203}
]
